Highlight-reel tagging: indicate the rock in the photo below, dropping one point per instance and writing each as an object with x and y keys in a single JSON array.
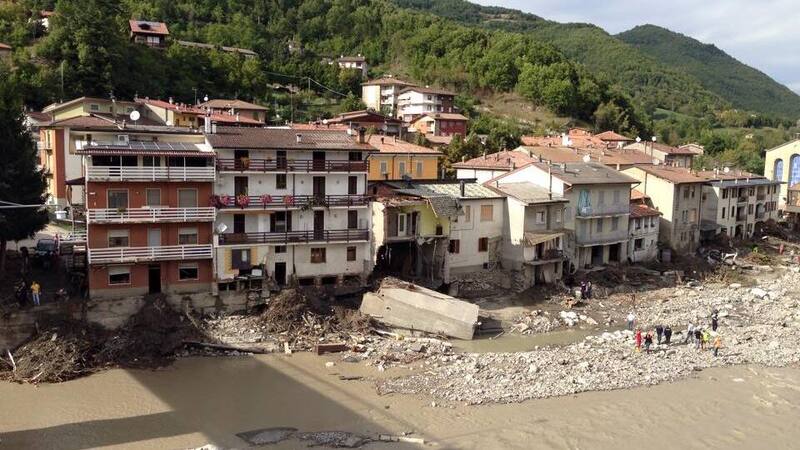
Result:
[
  {"x": 735, "y": 285},
  {"x": 330, "y": 364},
  {"x": 758, "y": 292}
]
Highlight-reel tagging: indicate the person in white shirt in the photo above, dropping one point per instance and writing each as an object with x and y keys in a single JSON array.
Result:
[
  {"x": 631, "y": 320},
  {"x": 689, "y": 333}
]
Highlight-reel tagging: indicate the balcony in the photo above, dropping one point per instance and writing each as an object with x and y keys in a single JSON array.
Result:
[
  {"x": 290, "y": 165},
  {"x": 136, "y": 173},
  {"x": 547, "y": 256},
  {"x": 603, "y": 238},
  {"x": 139, "y": 254},
  {"x": 741, "y": 199},
  {"x": 761, "y": 197},
  {"x": 294, "y": 237},
  {"x": 602, "y": 210},
  {"x": 288, "y": 201},
  {"x": 154, "y": 214}
]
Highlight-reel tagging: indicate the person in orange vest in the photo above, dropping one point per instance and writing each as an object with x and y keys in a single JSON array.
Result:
[
  {"x": 638, "y": 340},
  {"x": 717, "y": 345},
  {"x": 35, "y": 290}
]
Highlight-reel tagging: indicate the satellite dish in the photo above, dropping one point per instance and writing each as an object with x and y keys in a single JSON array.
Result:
[
  {"x": 324, "y": 121},
  {"x": 221, "y": 228},
  {"x": 135, "y": 115},
  {"x": 726, "y": 169},
  {"x": 586, "y": 158},
  {"x": 205, "y": 98}
]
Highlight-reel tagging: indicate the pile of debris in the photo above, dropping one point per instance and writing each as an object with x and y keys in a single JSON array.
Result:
[
  {"x": 393, "y": 350},
  {"x": 757, "y": 326},
  {"x": 303, "y": 321},
  {"x": 484, "y": 283},
  {"x": 534, "y": 322}
]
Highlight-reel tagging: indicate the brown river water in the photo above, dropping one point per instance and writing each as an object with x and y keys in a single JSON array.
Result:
[{"x": 200, "y": 401}]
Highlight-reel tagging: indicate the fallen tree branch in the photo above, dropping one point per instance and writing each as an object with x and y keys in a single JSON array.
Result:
[{"x": 229, "y": 348}]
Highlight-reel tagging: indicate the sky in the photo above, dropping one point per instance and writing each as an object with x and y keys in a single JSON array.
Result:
[{"x": 764, "y": 34}]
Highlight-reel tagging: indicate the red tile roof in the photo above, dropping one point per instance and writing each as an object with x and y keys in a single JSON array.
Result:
[
  {"x": 442, "y": 116},
  {"x": 319, "y": 126},
  {"x": 668, "y": 149},
  {"x": 387, "y": 80},
  {"x": 428, "y": 90},
  {"x": 284, "y": 139},
  {"x": 147, "y": 27},
  {"x": 643, "y": 211},
  {"x": 675, "y": 175},
  {"x": 638, "y": 195},
  {"x": 388, "y": 144},
  {"x": 4, "y": 46},
  {"x": 611, "y": 136},
  {"x": 500, "y": 160},
  {"x": 221, "y": 103},
  {"x": 362, "y": 115}
]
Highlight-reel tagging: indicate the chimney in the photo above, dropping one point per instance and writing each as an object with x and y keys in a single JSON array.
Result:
[
  {"x": 171, "y": 101},
  {"x": 298, "y": 137},
  {"x": 361, "y": 135},
  {"x": 381, "y": 139},
  {"x": 484, "y": 154},
  {"x": 463, "y": 158},
  {"x": 207, "y": 124},
  {"x": 463, "y": 187}
]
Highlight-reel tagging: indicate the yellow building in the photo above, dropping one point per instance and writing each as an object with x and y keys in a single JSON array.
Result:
[
  {"x": 782, "y": 163},
  {"x": 396, "y": 158}
]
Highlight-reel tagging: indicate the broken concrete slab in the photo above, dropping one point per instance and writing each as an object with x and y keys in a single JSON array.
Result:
[
  {"x": 267, "y": 436},
  {"x": 412, "y": 307}
]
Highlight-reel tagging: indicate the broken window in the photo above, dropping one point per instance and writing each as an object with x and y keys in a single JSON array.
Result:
[
  {"x": 454, "y": 246},
  {"x": 318, "y": 255},
  {"x": 483, "y": 244}
]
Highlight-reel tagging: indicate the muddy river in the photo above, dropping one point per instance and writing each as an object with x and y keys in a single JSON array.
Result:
[{"x": 200, "y": 401}]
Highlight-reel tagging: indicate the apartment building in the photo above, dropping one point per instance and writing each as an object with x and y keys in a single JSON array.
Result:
[
  {"x": 358, "y": 62},
  {"x": 665, "y": 154},
  {"x": 244, "y": 111},
  {"x": 596, "y": 219},
  {"x": 613, "y": 157},
  {"x": 439, "y": 124},
  {"x": 173, "y": 113},
  {"x": 533, "y": 232},
  {"x": 643, "y": 225},
  {"x": 415, "y": 101},
  {"x": 677, "y": 193},
  {"x": 381, "y": 94},
  {"x": 489, "y": 166},
  {"x": 291, "y": 204},
  {"x": 149, "y": 226},
  {"x": 782, "y": 163},
  {"x": 396, "y": 159},
  {"x": 737, "y": 203}
]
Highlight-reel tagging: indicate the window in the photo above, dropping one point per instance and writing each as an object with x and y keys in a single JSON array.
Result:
[
  {"x": 487, "y": 213},
  {"x": 384, "y": 168},
  {"x": 401, "y": 168},
  {"x": 723, "y": 212},
  {"x": 637, "y": 223},
  {"x": 188, "y": 272},
  {"x": 601, "y": 198},
  {"x": 638, "y": 244},
  {"x": 117, "y": 198},
  {"x": 483, "y": 244},
  {"x": 352, "y": 219},
  {"x": 352, "y": 185},
  {"x": 351, "y": 253},
  {"x": 599, "y": 225},
  {"x": 685, "y": 216},
  {"x": 540, "y": 217},
  {"x": 151, "y": 161},
  {"x": 118, "y": 238},
  {"x": 614, "y": 223},
  {"x": 467, "y": 214},
  {"x": 94, "y": 107},
  {"x": 694, "y": 189},
  {"x": 280, "y": 181},
  {"x": 153, "y": 197},
  {"x": 240, "y": 258},
  {"x": 749, "y": 209},
  {"x": 724, "y": 193},
  {"x": 616, "y": 197},
  {"x": 317, "y": 255},
  {"x": 119, "y": 275},
  {"x": 280, "y": 249},
  {"x": 454, "y": 246},
  {"x": 686, "y": 192},
  {"x": 419, "y": 169},
  {"x": 558, "y": 214},
  {"x": 794, "y": 170},
  {"x": 187, "y": 236},
  {"x": 693, "y": 215},
  {"x": 187, "y": 198}
]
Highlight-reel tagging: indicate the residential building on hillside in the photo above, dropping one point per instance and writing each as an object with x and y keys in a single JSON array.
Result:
[
  {"x": 578, "y": 138},
  {"x": 533, "y": 232},
  {"x": 782, "y": 163},
  {"x": 368, "y": 119},
  {"x": 613, "y": 139},
  {"x": 596, "y": 219},
  {"x": 171, "y": 113},
  {"x": 694, "y": 147},
  {"x": 114, "y": 110},
  {"x": 152, "y": 34},
  {"x": 244, "y": 111},
  {"x": 737, "y": 203},
  {"x": 149, "y": 226},
  {"x": 396, "y": 159},
  {"x": 666, "y": 154},
  {"x": 382, "y": 94},
  {"x": 292, "y": 204},
  {"x": 677, "y": 193},
  {"x": 415, "y": 101},
  {"x": 486, "y": 167},
  {"x": 616, "y": 158},
  {"x": 357, "y": 62},
  {"x": 439, "y": 124}
]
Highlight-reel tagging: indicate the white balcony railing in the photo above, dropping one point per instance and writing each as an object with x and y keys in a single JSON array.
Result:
[
  {"x": 151, "y": 215},
  {"x": 135, "y": 173},
  {"x": 136, "y": 254}
]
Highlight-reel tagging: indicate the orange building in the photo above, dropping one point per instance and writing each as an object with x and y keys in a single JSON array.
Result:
[{"x": 397, "y": 158}]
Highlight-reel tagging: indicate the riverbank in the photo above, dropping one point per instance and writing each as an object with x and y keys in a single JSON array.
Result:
[{"x": 200, "y": 401}]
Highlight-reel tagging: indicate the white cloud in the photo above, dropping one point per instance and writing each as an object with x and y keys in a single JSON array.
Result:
[{"x": 763, "y": 34}]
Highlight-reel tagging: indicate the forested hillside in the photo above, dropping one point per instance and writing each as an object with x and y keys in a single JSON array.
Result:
[{"x": 744, "y": 86}]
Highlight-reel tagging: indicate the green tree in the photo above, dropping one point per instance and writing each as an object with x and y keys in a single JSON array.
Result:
[
  {"x": 351, "y": 103},
  {"x": 20, "y": 181}
]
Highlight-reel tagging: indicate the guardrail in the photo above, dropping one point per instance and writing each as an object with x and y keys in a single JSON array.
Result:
[
  {"x": 290, "y": 237},
  {"x": 136, "y": 173},
  {"x": 290, "y": 165},
  {"x": 288, "y": 201},
  {"x": 151, "y": 215},
  {"x": 136, "y": 254}
]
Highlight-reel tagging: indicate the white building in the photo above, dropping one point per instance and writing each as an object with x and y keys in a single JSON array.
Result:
[
  {"x": 292, "y": 204},
  {"x": 382, "y": 93},
  {"x": 357, "y": 62},
  {"x": 486, "y": 167},
  {"x": 643, "y": 228},
  {"x": 415, "y": 101}
]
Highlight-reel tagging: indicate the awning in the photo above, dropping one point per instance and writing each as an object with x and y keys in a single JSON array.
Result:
[
  {"x": 146, "y": 148},
  {"x": 99, "y": 151},
  {"x": 76, "y": 182},
  {"x": 530, "y": 238}
]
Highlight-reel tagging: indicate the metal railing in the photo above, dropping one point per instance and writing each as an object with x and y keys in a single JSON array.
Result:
[
  {"x": 288, "y": 201},
  {"x": 136, "y": 173},
  {"x": 151, "y": 215},
  {"x": 290, "y": 165},
  {"x": 290, "y": 237},
  {"x": 741, "y": 199},
  {"x": 163, "y": 253},
  {"x": 74, "y": 237},
  {"x": 602, "y": 210}
]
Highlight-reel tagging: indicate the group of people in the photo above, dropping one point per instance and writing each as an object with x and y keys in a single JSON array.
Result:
[
  {"x": 586, "y": 290},
  {"x": 697, "y": 335},
  {"x": 22, "y": 290}
]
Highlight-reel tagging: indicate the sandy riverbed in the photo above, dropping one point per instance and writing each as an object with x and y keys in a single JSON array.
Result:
[{"x": 208, "y": 400}]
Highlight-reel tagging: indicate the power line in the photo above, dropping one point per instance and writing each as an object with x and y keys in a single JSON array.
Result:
[{"x": 306, "y": 78}]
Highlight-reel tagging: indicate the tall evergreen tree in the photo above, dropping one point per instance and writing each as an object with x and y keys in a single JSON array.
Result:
[{"x": 20, "y": 181}]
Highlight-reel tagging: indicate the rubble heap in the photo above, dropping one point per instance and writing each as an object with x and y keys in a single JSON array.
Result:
[{"x": 757, "y": 326}]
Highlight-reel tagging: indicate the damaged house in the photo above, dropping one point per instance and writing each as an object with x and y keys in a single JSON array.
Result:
[{"x": 430, "y": 230}]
